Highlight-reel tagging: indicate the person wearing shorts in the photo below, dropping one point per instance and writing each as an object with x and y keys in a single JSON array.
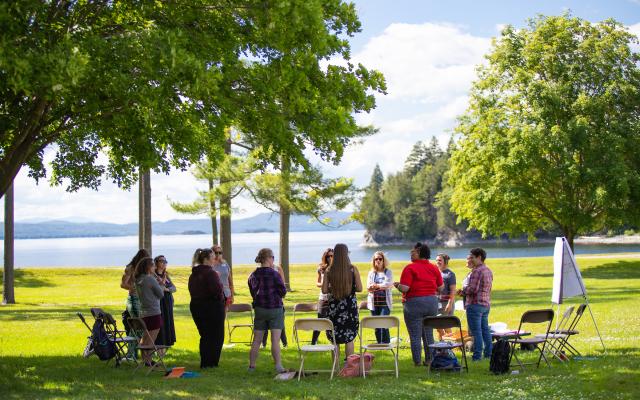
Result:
[{"x": 267, "y": 290}]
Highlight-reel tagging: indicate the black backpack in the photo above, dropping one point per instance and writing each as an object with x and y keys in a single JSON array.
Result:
[
  {"x": 103, "y": 346},
  {"x": 500, "y": 357}
]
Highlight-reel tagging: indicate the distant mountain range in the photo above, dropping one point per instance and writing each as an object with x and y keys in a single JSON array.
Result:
[{"x": 265, "y": 222}]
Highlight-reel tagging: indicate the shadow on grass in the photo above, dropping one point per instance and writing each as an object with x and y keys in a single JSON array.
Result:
[
  {"x": 75, "y": 377},
  {"x": 541, "y": 298},
  {"x": 29, "y": 279},
  {"x": 616, "y": 270}
]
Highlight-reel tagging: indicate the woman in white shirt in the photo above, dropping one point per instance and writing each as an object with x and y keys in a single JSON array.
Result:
[{"x": 379, "y": 284}]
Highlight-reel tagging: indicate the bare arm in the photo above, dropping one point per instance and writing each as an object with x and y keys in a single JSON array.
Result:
[
  {"x": 325, "y": 285},
  {"x": 452, "y": 298},
  {"x": 319, "y": 280},
  {"x": 401, "y": 287}
]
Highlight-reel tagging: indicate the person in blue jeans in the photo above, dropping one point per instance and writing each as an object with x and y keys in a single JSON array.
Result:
[
  {"x": 478, "y": 303},
  {"x": 379, "y": 284}
]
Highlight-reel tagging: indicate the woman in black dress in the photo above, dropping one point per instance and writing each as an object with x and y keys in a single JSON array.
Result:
[
  {"x": 167, "y": 335},
  {"x": 342, "y": 281}
]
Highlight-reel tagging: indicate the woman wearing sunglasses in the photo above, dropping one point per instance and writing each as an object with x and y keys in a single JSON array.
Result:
[
  {"x": 223, "y": 269},
  {"x": 379, "y": 284}
]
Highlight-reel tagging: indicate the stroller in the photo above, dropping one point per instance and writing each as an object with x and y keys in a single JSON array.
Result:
[{"x": 106, "y": 341}]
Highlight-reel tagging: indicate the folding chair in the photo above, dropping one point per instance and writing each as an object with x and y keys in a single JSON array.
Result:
[
  {"x": 447, "y": 322},
  {"x": 315, "y": 324},
  {"x": 379, "y": 322},
  {"x": 304, "y": 308},
  {"x": 239, "y": 308},
  {"x": 140, "y": 328},
  {"x": 533, "y": 317},
  {"x": 571, "y": 331},
  {"x": 119, "y": 338},
  {"x": 556, "y": 337}
]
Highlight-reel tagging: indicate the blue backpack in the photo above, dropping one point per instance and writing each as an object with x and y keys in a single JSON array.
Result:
[
  {"x": 445, "y": 360},
  {"x": 103, "y": 346}
]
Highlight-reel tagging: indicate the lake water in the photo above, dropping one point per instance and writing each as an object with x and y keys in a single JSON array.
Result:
[{"x": 305, "y": 247}]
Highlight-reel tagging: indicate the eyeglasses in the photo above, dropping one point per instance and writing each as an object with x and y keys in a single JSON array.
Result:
[
  {"x": 329, "y": 255},
  {"x": 218, "y": 253},
  {"x": 162, "y": 261},
  {"x": 378, "y": 259}
]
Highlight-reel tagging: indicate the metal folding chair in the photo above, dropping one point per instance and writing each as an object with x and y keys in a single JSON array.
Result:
[
  {"x": 377, "y": 322},
  {"x": 239, "y": 309},
  {"x": 140, "y": 328},
  {"x": 304, "y": 308},
  {"x": 556, "y": 338},
  {"x": 529, "y": 318},
  {"x": 119, "y": 338},
  {"x": 447, "y": 322},
  {"x": 571, "y": 331},
  {"x": 315, "y": 324}
]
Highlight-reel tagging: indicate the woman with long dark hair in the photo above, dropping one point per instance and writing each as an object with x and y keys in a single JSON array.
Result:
[
  {"x": 342, "y": 281},
  {"x": 327, "y": 257},
  {"x": 167, "y": 334},
  {"x": 133, "y": 302},
  {"x": 150, "y": 293},
  {"x": 207, "y": 307}
]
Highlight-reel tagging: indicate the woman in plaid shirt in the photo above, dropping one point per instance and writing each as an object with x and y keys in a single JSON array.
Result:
[
  {"x": 267, "y": 290},
  {"x": 478, "y": 303}
]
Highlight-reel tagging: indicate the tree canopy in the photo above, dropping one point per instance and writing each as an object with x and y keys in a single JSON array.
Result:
[
  {"x": 153, "y": 85},
  {"x": 551, "y": 134}
]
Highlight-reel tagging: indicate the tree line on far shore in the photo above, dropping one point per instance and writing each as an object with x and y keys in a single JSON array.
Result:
[{"x": 549, "y": 142}]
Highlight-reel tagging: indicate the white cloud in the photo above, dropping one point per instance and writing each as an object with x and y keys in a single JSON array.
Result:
[
  {"x": 635, "y": 29},
  {"x": 428, "y": 62}
]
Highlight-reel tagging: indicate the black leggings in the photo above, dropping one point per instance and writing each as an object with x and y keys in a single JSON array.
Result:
[{"x": 209, "y": 318}]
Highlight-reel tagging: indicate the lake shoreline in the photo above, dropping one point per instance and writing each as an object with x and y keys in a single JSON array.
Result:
[{"x": 580, "y": 240}]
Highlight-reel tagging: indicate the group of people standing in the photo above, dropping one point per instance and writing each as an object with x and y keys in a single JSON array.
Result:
[
  {"x": 150, "y": 298},
  {"x": 427, "y": 290}
]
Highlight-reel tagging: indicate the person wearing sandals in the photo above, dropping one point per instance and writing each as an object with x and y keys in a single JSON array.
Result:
[
  {"x": 379, "y": 284},
  {"x": 342, "y": 281},
  {"x": 419, "y": 283},
  {"x": 133, "y": 302},
  {"x": 267, "y": 290},
  {"x": 167, "y": 334},
  {"x": 150, "y": 293},
  {"x": 327, "y": 257},
  {"x": 207, "y": 307},
  {"x": 223, "y": 269},
  {"x": 447, "y": 295}
]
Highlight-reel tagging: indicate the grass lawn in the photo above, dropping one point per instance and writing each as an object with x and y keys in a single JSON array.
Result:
[{"x": 41, "y": 341}]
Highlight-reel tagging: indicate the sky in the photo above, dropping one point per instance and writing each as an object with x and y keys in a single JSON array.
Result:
[{"x": 427, "y": 50}]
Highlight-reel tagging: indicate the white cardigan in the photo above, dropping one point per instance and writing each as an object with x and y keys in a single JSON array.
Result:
[{"x": 388, "y": 283}]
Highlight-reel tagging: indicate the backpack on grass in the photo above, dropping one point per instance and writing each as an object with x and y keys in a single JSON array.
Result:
[
  {"x": 103, "y": 346},
  {"x": 500, "y": 357}
]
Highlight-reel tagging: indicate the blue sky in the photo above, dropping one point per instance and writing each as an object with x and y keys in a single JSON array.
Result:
[{"x": 427, "y": 50}]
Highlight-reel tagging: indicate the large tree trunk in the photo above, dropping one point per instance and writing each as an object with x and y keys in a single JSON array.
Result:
[
  {"x": 570, "y": 235},
  {"x": 144, "y": 211},
  {"x": 213, "y": 212},
  {"x": 285, "y": 214},
  {"x": 225, "y": 217},
  {"x": 284, "y": 244},
  {"x": 8, "y": 281}
]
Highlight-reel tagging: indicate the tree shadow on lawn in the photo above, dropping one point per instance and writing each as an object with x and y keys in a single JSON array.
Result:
[
  {"x": 28, "y": 279},
  {"x": 68, "y": 377},
  {"x": 77, "y": 377},
  {"x": 615, "y": 270},
  {"x": 541, "y": 298}
]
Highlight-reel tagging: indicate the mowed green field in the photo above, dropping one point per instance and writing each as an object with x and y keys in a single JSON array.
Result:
[{"x": 41, "y": 341}]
